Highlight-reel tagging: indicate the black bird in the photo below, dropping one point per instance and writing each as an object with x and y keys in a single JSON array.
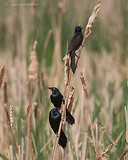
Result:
[
  {"x": 56, "y": 99},
  {"x": 75, "y": 43},
  {"x": 54, "y": 119}
]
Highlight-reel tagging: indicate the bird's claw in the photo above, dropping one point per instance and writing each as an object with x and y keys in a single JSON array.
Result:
[
  {"x": 63, "y": 101},
  {"x": 58, "y": 135},
  {"x": 62, "y": 120},
  {"x": 77, "y": 56}
]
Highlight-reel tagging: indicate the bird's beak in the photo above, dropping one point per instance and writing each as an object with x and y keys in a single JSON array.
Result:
[{"x": 50, "y": 88}]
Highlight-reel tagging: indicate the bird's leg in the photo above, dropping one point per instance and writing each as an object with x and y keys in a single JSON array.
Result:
[
  {"x": 63, "y": 101},
  {"x": 77, "y": 56}
]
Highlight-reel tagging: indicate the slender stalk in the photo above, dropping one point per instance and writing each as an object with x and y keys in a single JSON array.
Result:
[{"x": 88, "y": 28}]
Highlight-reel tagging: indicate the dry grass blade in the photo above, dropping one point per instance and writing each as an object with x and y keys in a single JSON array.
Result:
[
  {"x": 47, "y": 41},
  {"x": 108, "y": 135},
  {"x": 42, "y": 82},
  {"x": 23, "y": 142},
  {"x": 87, "y": 32},
  {"x": 2, "y": 71},
  {"x": 29, "y": 110},
  {"x": 46, "y": 144},
  {"x": 123, "y": 154},
  {"x": 5, "y": 100},
  {"x": 105, "y": 151}
]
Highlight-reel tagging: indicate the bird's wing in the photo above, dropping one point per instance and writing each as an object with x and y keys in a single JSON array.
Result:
[{"x": 75, "y": 42}]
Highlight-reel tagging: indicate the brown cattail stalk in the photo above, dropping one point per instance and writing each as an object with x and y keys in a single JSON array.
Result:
[
  {"x": 2, "y": 71},
  {"x": 70, "y": 99},
  {"x": 123, "y": 154},
  {"x": 89, "y": 110},
  {"x": 29, "y": 154},
  {"x": 63, "y": 106},
  {"x": 126, "y": 119},
  {"x": 88, "y": 28},
  {"x": 99, "y": 157},
  {"x": 47, "y": 41}
]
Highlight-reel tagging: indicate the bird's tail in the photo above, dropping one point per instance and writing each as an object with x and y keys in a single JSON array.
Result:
[
  {"x": 73, "y": 65},
  {"x": 62, "y": 139},
  {"x": 69, "y": 118}
]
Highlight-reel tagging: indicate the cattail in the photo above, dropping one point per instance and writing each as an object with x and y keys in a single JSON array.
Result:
[
  {"x": 66, "y": 69},
  {"x": 88, "y": 28},
  {"x": 11, "y": 117},
  {"x": 5, "y": 99},
  {"x": 33, "y": 68},
  {"x": 2, "y": 71},
  {"x": 92, "y": 18},
  {"x": 71, "y": 99},
  {"x": 83, "y": 84}
]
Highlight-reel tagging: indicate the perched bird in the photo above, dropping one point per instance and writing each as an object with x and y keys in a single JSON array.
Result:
[
  {"x": 54, "y": 120},
  {"x": 75, "y": 43},
  {"x": 56, "y": 99}
]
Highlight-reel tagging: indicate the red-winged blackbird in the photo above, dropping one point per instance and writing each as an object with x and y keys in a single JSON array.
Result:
[
  {"x": 75, "y": 43},
  {"x": 54, "y": 120},
  {"x": 56, "y": 99}
]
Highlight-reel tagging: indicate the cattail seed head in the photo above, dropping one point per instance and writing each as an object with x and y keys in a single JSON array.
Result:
[
  {"x": 84, "y": 84},
  {"x": 92, "y": 18},
  {"x": 33, "y": 68},
  {"x": 71, "y": 99},
  {"x": 11, "y": 117},
  {"x": 66, "y": 68}
]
